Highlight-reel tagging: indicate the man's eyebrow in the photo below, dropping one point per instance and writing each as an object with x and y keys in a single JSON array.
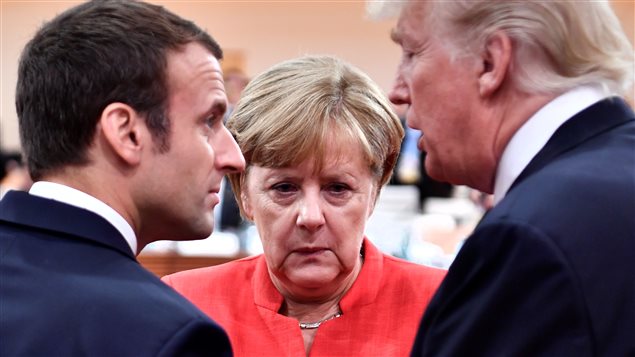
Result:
[
  {"x": 395, "y": 35},
  {"x": 217, "y": 107}
]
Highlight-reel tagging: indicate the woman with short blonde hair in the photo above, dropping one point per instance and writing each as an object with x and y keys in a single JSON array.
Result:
[{"x": 320, "y": 140}]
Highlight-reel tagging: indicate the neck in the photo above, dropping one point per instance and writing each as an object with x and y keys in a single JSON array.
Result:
[
  {"x": 106, "y": 188},
  {"x": 310, "y": 312},
  {"x": 511, "y": 112}
]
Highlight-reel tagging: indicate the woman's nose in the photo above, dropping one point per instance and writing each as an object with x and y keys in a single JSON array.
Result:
[{"x": 310, "y": 215}]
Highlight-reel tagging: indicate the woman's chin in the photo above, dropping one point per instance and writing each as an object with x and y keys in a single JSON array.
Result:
[{"x": 313, "y": 278}]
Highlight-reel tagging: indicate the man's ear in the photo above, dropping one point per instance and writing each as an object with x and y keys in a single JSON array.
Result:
[
  {"x": 121, "y": 127},
  {"x": 496, "y": 57}
]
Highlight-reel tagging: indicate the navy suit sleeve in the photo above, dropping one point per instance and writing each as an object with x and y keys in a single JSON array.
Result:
[
  {"x": 197, "y": 338},
  {"x": 510, "y": 292}
]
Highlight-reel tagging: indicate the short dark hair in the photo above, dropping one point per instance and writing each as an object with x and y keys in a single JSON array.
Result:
[{"x": 92, "y": 55}]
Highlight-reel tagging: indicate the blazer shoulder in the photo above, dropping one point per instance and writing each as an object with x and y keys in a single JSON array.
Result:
[
  {"x": 410, "y": 278},
  {"x": 394, "y": 265},
  {"x": 226, "y": 275}
]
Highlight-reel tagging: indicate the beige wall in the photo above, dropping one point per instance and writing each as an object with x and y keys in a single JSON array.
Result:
[{"x": 266, "y": 31}]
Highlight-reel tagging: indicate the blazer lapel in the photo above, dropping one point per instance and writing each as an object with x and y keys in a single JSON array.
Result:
[
  {"x": 590, "y": 122},
  {"x": 42, "y": 213}
]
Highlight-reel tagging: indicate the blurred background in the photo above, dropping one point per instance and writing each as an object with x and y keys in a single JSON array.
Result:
[{"x": 416, "y": 218}]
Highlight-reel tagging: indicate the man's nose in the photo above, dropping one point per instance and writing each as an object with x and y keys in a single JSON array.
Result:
[
  {"x": 229, "y": 156},
  {"x": 399, "y": 93}
]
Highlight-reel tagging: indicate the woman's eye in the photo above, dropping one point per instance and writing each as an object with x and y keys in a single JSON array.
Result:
[
  {"x": 283, "y": 187},
  {"x": 338, "y": 188}
]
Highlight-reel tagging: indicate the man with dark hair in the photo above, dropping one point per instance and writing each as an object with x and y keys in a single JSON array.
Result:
[{"x": 120, "y": 106}]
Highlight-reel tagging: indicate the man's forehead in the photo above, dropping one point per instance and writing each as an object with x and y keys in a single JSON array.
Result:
[
  {"x": 403, "y": 31},
  {"x": 411, "y": 20},
  {"x": 399, "y": 32},
  {"x": 396, "y": 35}
]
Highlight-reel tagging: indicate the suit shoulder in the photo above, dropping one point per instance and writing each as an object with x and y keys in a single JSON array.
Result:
[
  {"x": 403, "y": 267},
  {"x": 571, "y": 192}
]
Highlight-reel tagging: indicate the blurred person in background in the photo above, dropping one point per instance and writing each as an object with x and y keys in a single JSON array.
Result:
[
  {"x": 522, "y": 99},
  {"x": 13, "y": 174},
  {"x": 120, "y": 107},
  {"x": 229, "y": 212},
  {"x": 410, "y": 169},
  {"x": 320, "y": 140},
  {"x": 235, "y": 82}
]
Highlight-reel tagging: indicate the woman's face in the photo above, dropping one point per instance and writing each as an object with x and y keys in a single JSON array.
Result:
[{"x": 312, "y": 224}]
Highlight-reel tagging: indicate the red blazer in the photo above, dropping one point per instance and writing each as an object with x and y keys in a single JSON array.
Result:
[{"x": 380, "y": 313}]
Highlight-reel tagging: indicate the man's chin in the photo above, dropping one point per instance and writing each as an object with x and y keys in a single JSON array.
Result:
[
  {"x": 436, "y": 171},
  {"x": 199, "y": 234}
]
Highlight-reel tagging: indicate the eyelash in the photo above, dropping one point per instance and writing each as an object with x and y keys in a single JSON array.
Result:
[
  {"x": 337, "y": 188},
  {"x": 282, "y": 187},
  {"x": 210, "y": 121},
  {"x": 341, "y": 188}
]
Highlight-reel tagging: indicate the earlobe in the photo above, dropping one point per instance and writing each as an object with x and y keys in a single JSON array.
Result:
[
  {"x": 120, "y": 126},
  {"x": 496, "y": 59}
]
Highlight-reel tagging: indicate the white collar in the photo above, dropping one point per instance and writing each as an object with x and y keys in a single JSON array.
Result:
[
  {"x": 74, "y": 197},
  {"x": 534, "y": 134}
]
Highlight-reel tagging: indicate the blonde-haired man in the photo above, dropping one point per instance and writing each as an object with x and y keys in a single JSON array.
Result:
[{"x": 521, "y": 99}]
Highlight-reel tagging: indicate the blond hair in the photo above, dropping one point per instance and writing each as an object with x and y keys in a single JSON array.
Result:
[
  {"x": 558, "y": 45},
  {"x": 287, "y": 113}
]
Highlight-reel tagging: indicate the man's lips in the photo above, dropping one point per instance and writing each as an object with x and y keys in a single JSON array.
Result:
[
  {"x": 421, "y": 145},
  {"x": 214, "y": 197}
]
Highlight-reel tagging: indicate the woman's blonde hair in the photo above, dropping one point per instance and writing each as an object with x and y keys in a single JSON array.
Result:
[{"x": 287, "y": 114}]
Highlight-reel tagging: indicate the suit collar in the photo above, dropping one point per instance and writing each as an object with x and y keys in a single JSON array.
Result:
[
  {"x": 532, "y": 136},
  {"x": 75, "y": 197},
  {"x": 24, "y": 209},
  {"x": 598, "y": 118}
]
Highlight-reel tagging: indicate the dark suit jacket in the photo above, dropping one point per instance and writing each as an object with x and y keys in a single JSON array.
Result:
[
  {"x": 550, "y": 271},
  {"x": 69, "y": 285}
]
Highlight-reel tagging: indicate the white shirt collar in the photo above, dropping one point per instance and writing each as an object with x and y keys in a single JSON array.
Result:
[
  {"x": 534, "y": 134},
  {"x": 83, "y": 200}
]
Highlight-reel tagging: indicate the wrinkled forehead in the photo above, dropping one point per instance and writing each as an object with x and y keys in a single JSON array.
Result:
[
  {"x": 413, "y": 18},
  {"x": 340, "y": 158}
]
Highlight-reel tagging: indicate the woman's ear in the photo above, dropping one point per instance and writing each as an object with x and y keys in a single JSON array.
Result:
[
  {"x": 373, "y": 200},
  {"x": 121, "y": 128},
  {"x": 496, "y": 58},
  {"x": 247, "y": 209}
]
